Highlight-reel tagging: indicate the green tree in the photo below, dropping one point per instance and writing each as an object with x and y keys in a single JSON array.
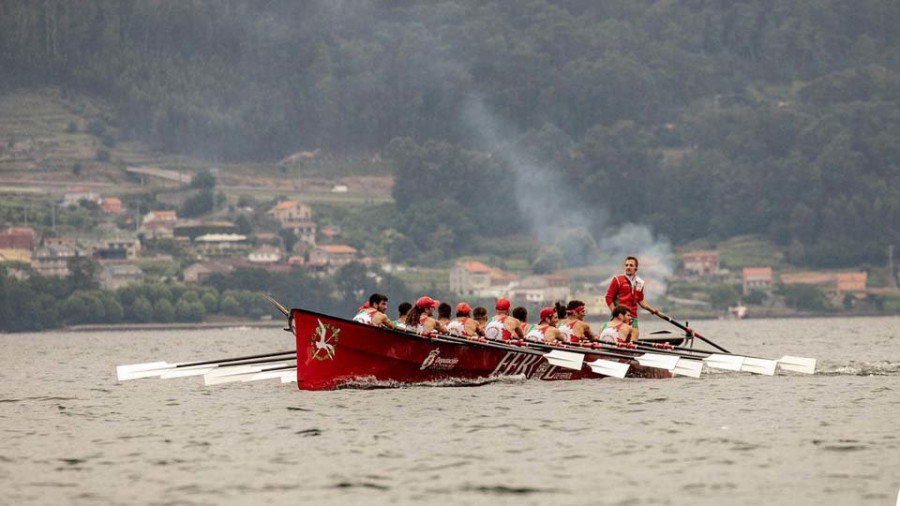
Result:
[
  {"x": 210, "y": 302},
  {"x": 204, "y": 180},
  {"x": 231, "y": 307},
  {"x": 141, "y": 310},
  {"x": 163, "y": 311}
]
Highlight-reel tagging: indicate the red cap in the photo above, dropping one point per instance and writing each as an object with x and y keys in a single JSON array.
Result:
[
  {"x": 427, "y": 301},
  {"x": 546, "y": 312},
  {"x": 502, "y": 304},
  {"x": 462, "y": 307}
]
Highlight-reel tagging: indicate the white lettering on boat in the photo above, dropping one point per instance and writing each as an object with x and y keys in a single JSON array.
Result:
[
  {"x": 433, "y": 361},
  {"x": 514, "y": 363}
]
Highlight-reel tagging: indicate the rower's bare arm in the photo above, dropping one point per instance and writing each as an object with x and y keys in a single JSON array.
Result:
[
  {"x": 553, "y": 335},
  {"x": 515, "y": 326},
  {"x": 472, "y": 328},
  {"x": 382, "y": 320},
  {"x": 440, "y": 327},
  {"x": 586, "y": 332}
]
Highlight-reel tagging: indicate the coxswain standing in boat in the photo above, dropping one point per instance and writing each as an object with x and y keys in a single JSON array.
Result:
[
  {"x": 372, "y": 313},
  {"x": 503, "y": 326},
  {"x": 402, "y": 309},
  {"x": 628, "y": 289},
  {"x": 419, "y": 317},
  {"x": 545, "y": 331},
  {"x": 618, "y": 329},
  {"x": 574, "y": 327},
  {"x": 464, "y": 325}
]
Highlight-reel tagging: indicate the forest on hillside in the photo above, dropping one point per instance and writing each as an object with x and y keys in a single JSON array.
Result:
[{"x": 700, "y": 118}]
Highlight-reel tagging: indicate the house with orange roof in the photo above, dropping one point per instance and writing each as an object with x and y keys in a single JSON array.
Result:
[
  {"x": 159, "y": 224},
  {"x": 297, "y": 217},
  {"x": 290, "y": 210},
  {"x": 703, "y": 263},
  {"x": 112, "y": 205},
  {"x": 540, "y": 289},
  {"x": 757, "y": 278},
  {"x": 473, "y": 278},
  {"x": 24, "y": 238},
  {"x": 835, "y": 284},
  {"x": 853, "y": 283},
  {"x": 331, "y": 257}
]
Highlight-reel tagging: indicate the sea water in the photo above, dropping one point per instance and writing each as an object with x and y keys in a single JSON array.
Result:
[{"x": 71, "y": 434}]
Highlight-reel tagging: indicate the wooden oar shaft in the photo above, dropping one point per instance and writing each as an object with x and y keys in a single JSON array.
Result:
[
  {"x": 237, "y": 359},
  {"x": 690, "y": 331}
]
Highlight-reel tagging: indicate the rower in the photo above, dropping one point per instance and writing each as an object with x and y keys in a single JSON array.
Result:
[
  {"x": 574, "y": 327},
  {"x": 503, "y": 326},
  {"x": 546, "y": 331},
  {"x": 402, "y": 309},
  {"x": 443, "y": 312},
  {"x": 464, "y": 325},
  {"x": 521, "y": 314},
  {"x": 419, "y": 317},
  {"x": 480, "y": 316},
  {"x": 618, "y": 329},
  {"x": 372, "y": 313}
]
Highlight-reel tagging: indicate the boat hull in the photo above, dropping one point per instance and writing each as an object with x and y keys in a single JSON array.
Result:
[{"x": 335, "y": 353}]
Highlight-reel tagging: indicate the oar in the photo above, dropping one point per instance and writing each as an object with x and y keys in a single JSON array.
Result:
[
  {"x": 260, "y": 373},
  {"x": 556, "y": 357},
  {"x": 689, "y": 331},
  {"x": 277, "y": 304},
  {"x": 674, "y": 364},
  {"x": 150, "y": 369},
  {"x": 755, "y": 365}
]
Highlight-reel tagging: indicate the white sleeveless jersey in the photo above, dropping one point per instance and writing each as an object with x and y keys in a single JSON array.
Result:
[
  {"x": 496, "y": 329},
  {"x": 610, "y": 333},
  {"x": 567, "y": 330},
  {"x": 536, "y": 334},
  {"x": 364, "y": 316},
  {"x": 457, "y": 327}
]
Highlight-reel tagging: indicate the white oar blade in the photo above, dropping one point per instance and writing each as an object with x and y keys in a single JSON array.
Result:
[
  {"x": 234, "y": 374},
  {"x": 150, "y": 373},
  {"x": 688, "y": 367},
  {"x": 126, "y": 372},
  {"x": 798, "y": 364},
  {"x": 266, "y": 375},
  {"x": 667, "y": 362},
  {"x": 759, "y": 366},
  {"x": 609, "y": 368},
  {"x": 725, "y": 362},
  {"x": 141, "y": 367},
  {"x": 214, "y": 379},
  {"x": 566, "y": 359},
  {"x": 184, "y": 372}
]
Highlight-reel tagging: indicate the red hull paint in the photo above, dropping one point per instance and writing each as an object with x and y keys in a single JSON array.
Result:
[{"x": 334, "y": 353}]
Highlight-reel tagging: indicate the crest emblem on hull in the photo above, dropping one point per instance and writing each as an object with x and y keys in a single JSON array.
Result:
[{"x": 323, "y": 341}]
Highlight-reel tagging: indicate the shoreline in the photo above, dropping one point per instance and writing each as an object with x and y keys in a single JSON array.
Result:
[{"x": 111, "y": 327}]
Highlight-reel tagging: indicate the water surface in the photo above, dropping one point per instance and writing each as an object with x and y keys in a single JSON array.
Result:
[{"x": 70, "y": 434}]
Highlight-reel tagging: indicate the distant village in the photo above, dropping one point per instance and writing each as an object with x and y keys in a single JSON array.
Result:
[{"x": 211, "y": 247}]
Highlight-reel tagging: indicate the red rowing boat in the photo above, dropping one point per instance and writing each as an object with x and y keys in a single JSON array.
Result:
[{"x": 334, "y": 353}]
